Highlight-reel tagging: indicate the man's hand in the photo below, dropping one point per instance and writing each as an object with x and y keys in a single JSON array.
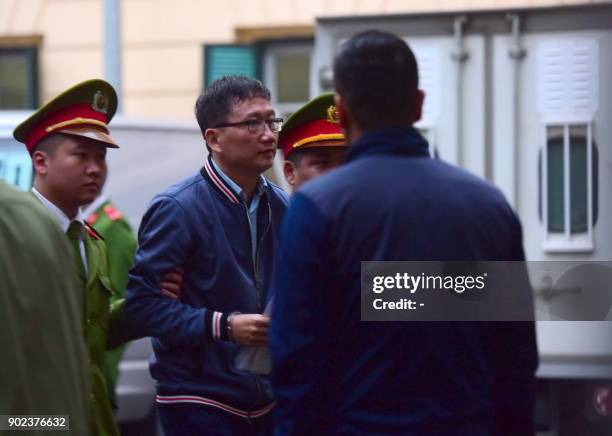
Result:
[
  {"x": 171, "y": 284},
  {"x": 250, "y": 329}
]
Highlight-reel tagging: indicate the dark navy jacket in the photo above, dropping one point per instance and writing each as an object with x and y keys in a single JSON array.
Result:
[
  {"x": 201, "y": 224},
  {"x": 334, "y": 374}
]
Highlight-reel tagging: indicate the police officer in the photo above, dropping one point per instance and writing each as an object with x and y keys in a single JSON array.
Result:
[
  {"x": 67, "y": 139},
  {"x": 312, "y": 141}
]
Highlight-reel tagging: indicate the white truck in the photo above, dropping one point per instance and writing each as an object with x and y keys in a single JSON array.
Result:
[{"x": 523, "y": 98}]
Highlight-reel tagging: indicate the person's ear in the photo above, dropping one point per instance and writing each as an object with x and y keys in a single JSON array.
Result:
[
  {"x": 290, "y": 173},
  {"x": 211, "y": 136},
  {"x": 419, "y": 99},
  {"x": 40, "y": 162}
]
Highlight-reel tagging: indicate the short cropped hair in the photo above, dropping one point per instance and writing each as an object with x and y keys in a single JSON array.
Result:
[
  {"x": 376, "y": 74},
  {"x": 49, "y": 144},
  {"x": 295, "y": 157},
  {"x": 215, "y": 103}
]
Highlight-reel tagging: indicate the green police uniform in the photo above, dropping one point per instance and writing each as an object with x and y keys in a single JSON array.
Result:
[
  {"x": 121, "y": 246},
  {"x": 43, "y": 369},
  {"x": 84, "y": 110},
  {"x": 102, "y": 326}
]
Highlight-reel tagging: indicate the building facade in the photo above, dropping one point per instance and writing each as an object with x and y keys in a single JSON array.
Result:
[{"x": 170, "y": 50}]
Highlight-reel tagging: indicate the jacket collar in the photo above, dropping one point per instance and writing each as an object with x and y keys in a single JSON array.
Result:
[
  {"x": 221, "y": 184},
  {"x": 400, "y": 141}
]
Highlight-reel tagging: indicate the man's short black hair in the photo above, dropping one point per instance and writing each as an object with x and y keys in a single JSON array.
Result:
[
  {"x": 215, "y": 103},
  {"x": 376, "y": 74},
  {"x": 295, "y": 157},
  {"x": 50, "y": 144}
]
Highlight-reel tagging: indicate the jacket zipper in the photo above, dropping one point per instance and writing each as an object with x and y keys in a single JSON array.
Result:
[
  {"x": 251, "y": 261},
  {"x": 255, "y": 265},
  {"x": 257, "y": 247}
]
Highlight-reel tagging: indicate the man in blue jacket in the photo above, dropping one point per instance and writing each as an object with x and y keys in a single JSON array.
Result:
[
  {"x": 220, "y": 225},
  {"x": 332, "y": 372}
]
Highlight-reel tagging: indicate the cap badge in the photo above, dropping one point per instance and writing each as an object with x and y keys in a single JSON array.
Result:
[
  {"x": 100, "y": 102},
  {"x": 333, "y": 117}
]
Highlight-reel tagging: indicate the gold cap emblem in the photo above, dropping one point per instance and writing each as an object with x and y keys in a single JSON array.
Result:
[
  {"x": 333, "y": 116},
  {"x": 100, "y": 102}
]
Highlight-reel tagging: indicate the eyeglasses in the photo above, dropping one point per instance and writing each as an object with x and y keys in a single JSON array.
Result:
[{"x": 256, "y": 126}]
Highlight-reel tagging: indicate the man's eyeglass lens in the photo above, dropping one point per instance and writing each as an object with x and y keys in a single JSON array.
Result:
[{"x": 255, "y": 126}]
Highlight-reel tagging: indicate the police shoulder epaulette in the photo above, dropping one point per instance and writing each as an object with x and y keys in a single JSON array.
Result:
[
  {"x": 112, "y": 213},
  {"x": 91, "y": 219},
  {"x": 93, "y": 232}
]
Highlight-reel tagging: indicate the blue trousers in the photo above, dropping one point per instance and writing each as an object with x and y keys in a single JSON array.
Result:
[{"x": 193, "y": 419}]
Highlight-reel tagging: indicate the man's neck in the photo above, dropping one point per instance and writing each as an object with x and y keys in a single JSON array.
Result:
[
  {"x": 355, "y": 132},
  {"x": 246, "y": 181},
  {"x": 71, "y": 211}
]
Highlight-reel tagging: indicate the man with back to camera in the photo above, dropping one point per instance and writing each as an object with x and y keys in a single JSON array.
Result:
[
  {"x": 220, "y": 225},
  {"x": 312, "y": 141},
  {"x": 332, "y": 372}
]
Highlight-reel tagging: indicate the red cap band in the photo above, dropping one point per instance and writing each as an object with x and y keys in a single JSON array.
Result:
[
  {"x": 312, "y": 131},
  {"x": 73, "y": 112}
]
